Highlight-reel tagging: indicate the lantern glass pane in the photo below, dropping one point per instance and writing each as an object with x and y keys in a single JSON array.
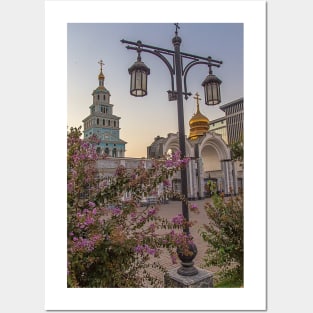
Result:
[
  {"x": 212, "y": 93},
  {"x": 144, "y": 82},
  {"x": 138, "y": 79},
  {"x": 132, "y": 81}
]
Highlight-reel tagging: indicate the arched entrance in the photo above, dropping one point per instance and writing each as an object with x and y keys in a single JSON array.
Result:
[{"x": 216, "y": 165}]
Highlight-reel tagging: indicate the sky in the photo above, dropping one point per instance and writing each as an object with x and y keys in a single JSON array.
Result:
[{"x": 144, "y": 118}]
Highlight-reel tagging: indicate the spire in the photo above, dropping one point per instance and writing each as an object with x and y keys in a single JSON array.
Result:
[
  {"x": 176, "y": 40},
  {"x": 177, "y": 27},
  {"x": 101, "y": 76}
]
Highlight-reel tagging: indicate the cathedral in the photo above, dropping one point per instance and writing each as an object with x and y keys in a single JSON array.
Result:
[
  {"x": 208, "y": 150},
  {"x": 210, "y": 158}
]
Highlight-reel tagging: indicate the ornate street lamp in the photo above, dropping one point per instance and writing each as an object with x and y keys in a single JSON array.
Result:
[
  {"x": 211, "y": 86},
  {"x": 138, "y": 88},
  {"x": 139, "y": 74}
]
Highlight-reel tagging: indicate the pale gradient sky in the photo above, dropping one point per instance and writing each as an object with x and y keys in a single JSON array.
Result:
[{"x": 142, "y": 119}]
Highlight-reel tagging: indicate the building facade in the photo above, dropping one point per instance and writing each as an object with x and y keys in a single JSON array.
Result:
[
  {"x": 234, "y": 120},
  {"x": 218, "y": 126}
]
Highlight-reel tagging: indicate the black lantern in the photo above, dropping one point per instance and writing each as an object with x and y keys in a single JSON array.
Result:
[
  {"x": 212, "y": 89},
  {"x": 138, "y": 78}
]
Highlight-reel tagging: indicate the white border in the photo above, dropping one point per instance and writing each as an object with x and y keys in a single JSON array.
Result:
[{"x": 253, "y": 295}]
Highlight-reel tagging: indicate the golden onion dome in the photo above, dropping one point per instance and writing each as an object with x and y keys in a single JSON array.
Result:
[
  {"x": 101, "y": 76},
  {"x": 198, "y": 118},
  {"x": 199, "y": 124}
]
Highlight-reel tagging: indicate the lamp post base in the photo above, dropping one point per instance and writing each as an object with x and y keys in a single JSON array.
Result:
[
  {"x": 187, "y": 268},
  {"x": 203, "y": 279}
]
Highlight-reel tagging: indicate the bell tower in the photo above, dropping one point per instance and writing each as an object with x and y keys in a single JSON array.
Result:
[{"x": 102, "y": 122}]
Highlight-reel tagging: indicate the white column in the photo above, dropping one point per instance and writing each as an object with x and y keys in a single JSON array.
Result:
[
  {"x": 226, "y": 167},
  {"x": 190, "y": 179},
  {"x": 201, "y": 179}
]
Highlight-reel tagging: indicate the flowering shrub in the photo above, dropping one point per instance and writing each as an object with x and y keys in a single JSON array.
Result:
[{"x": 113, "y": 243}]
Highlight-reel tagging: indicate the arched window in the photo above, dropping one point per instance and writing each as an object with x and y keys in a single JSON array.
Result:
[
  {"x": 98, "y": 97},
  {"x": 97, "y": 121},
  {"x": 107, "y": 151},
  {"x": 98, "y": 150},
  {"x": 103, "y": 97},
  {"x": 114, "y": 153}
]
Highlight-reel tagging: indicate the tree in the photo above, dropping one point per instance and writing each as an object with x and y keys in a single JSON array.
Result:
[
  {"x": 114, "y": 243},
  {"x": 224, "y": 235},
  {"x": 237, "y": 150}
]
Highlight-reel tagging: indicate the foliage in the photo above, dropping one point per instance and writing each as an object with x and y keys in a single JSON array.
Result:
[
  {"x": 111, "y": 242},
  {"x": 232, "y": 282},
  {"x": 224, "y": 235},
  {"x": 237, "y": 151}
]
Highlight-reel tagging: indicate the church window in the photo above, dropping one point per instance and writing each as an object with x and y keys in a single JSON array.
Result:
[
  {"x": 97, "y": 121},
  {"x": 103, "y": 97},
  {"x": 98, "y": 97},
  {"x": 103, "y": 121},
  {"x": 114, "y": 153},
  {"x": 109, "y": 122}
]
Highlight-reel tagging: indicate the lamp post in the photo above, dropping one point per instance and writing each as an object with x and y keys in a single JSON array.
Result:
[{"x": 138, "y": 87}]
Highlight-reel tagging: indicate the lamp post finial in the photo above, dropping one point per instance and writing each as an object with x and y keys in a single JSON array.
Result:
[{"x": 177, "y": 27}]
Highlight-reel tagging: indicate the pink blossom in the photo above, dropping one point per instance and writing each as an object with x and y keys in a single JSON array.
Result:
[
  {"x": 133, "y": 216},
  {"x": 151, "y": 211},
  {"x": 178, "y": 220},
  {"x": 194, "y": 208},
  {"x": 146, "y": 249},
  {"x": 139, "y": 249},
  {"x": 116, "y": 212},
  {"x": 166, "y": 183},
  {"x": 91, "y": 204},
  {"x": 152, "y": 227}
]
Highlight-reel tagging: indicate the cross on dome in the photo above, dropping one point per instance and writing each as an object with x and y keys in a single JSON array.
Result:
[
  {"x": 101, "y": 76},
  {"x": 197, "y": 98},
  {"x": 101, "y": 64}
]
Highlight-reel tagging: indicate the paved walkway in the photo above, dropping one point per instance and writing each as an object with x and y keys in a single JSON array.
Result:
[{"x": 170, "y": 210}]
